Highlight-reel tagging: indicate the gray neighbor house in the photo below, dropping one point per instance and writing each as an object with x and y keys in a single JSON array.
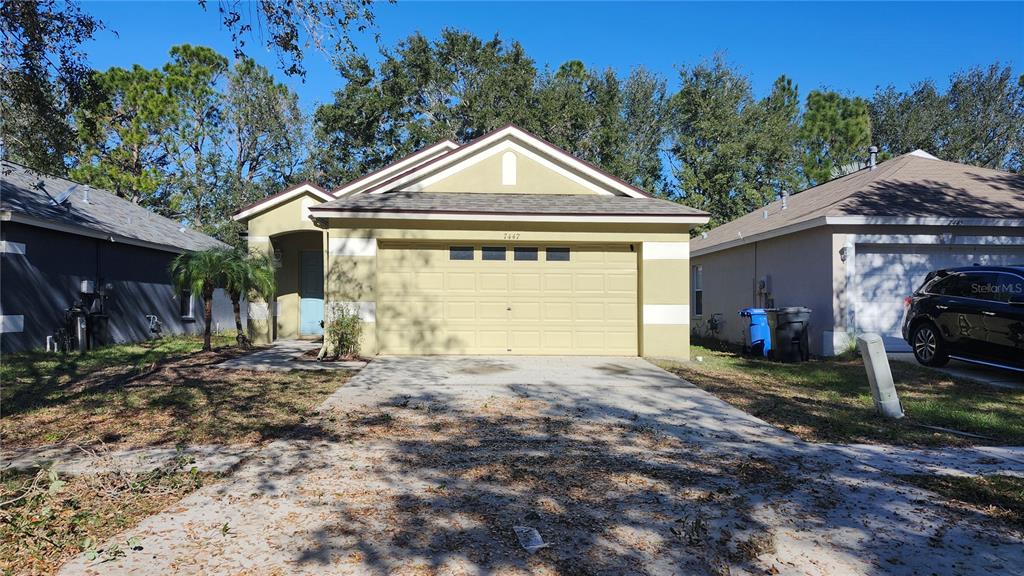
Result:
[
  {"x": 852, "y": 249},
  {"x": 58, "y": 237}
]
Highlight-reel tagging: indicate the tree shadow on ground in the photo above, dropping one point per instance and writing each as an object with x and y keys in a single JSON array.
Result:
[{"x": 620, "y": 498}]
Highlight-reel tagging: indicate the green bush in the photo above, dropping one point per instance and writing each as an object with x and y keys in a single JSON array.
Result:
[{"x": 343, "y": 329}]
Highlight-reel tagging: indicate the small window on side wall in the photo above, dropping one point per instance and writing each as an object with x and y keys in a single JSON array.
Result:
[
  {"x": 525, "y": 253},
  {"x": 186, "y": 304},
  {"x": 460, "y": 253},
  {"x": 556, "y": 254},
  {"x": 698, "y": 290},
  {"x": 493, "y": 252}
]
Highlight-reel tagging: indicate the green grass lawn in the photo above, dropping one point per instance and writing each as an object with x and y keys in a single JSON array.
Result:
[
  {"x": 828, "y": 400},
  {"x": 158, "y": 392}
]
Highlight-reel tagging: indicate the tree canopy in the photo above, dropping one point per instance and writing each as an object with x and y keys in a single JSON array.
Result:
[{"x": 204, "y": 134}]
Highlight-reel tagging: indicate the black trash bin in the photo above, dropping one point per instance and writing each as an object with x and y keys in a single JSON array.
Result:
[
  {"x": 791, "y": 343},
  {"x": 99, "y": 330}
]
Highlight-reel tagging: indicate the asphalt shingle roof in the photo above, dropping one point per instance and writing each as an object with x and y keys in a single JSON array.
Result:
[
  {"x": 24, "y": 191},
  {"x": 912, "y": 185},
  {"x": 480, "y": 203}
]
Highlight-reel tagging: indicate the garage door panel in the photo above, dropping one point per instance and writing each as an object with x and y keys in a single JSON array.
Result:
[
  {"x": 558, "y": 283},
  {"x": 460, "y": 282},
  {"x": 524, "y": 282},
  {"x": 588, "y": 283},
  {"x": 620, "y": 312},
  {"x": 493, "y": 282},
  {"x": 557, "y": 311},
  {"x": 586, "y": 305}
]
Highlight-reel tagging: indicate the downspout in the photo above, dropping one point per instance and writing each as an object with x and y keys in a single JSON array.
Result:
[
  {"x": 327, "y": 274},
  {"x": 850, "y": 257}
]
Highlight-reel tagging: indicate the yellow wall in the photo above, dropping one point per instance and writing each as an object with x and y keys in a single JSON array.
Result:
[
  {"x": 486, "y": 176},
  {"x": 352, "y": 278},
  {"x": 351, "y": 270},
  {"x": 263, "y": 228}
]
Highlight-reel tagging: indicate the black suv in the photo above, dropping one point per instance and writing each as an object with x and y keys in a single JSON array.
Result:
[{"x": 975, "y": 314}]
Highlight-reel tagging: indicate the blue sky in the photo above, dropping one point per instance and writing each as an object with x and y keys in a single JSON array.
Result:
[{"x": 850, "y": 47}]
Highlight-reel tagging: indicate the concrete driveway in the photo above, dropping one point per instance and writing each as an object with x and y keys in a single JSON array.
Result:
[
  {"x": 998, "y": 377},
  {"x": 424, "y": 465}
]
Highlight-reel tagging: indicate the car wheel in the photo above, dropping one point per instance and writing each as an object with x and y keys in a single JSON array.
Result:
[{"x": 929, "y": 349}]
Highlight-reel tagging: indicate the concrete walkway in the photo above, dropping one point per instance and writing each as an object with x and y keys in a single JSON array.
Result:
[
  {"x": 406, "y": 483},
  {"x": 284, "y": 355},
  {"x": 992, "y": 376}
]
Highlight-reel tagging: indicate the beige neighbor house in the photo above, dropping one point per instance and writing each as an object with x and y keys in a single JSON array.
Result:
[
  {"x": 853, "y": 248},
  {"x": 503, "y": 245}
]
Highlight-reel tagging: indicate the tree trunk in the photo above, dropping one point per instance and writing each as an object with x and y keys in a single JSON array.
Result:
[
  {"x": 207, "y": 317},
  {"x": 241, "y": 337}
]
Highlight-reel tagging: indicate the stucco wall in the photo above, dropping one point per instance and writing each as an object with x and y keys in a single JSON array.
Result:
[
  {"x": 353, "y": 249},
  {"x": 800, "y": 268},
  {"x": 486, "y": 176},
  {"x": 41, "y": 283}
]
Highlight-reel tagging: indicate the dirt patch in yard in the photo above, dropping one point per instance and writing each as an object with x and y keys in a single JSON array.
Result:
[
  {"x": 184, "y": 398},
  {"x": 998, "y": 497},
  {"x": 611, "y": 497},
  {"x": 46, "y": 519}
]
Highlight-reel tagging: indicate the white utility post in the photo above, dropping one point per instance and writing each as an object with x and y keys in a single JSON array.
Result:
[{"x": 883, "y": 390}]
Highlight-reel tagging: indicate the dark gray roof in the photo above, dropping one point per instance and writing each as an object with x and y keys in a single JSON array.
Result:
[
  {"x": 474, "y": 203},
  {"x": 29, "y": 194}
]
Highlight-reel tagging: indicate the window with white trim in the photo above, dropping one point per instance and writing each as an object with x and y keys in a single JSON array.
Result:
[
  {"x": 697, "y": 280},
  {"x": 186, "y": 304}
]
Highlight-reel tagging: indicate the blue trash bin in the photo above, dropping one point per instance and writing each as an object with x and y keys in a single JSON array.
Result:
[{"x": 759, "y": 334}]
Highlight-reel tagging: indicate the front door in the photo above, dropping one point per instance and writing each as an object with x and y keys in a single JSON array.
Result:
[{"x": 311, "y": 293}]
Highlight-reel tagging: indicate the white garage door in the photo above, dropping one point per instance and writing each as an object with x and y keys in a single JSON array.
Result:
[{"x": 888, "y": 273}]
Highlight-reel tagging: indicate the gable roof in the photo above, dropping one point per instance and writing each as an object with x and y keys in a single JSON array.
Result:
[
  {"x": 27, "y": 196},
  {"x": 526, "y": 142},
  {"x": 504, "y": 206},
  {"x": 282, "y": 197},
  {"x": 398, "y": 166},
  {"x": 914, "y": 188}
]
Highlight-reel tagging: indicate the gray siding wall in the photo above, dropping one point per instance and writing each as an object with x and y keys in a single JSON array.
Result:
[
  {"x": 800, "y": 267},
  {"x": 44, "y": 281}
]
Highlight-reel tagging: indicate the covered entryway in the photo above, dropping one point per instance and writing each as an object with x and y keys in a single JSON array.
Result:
[
  {"x": 299, "y": 306},
  {"x": 507, "y": 298},
  {"x": 888, "y": 273}
]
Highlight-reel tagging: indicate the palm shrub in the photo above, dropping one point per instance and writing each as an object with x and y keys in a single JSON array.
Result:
[
  {"x": 342, "y": 330},
  {"x": 250, "y": 275},
  {"x": 201, "y": 273}
]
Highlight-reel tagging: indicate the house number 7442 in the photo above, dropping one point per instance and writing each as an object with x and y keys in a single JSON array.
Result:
[{"x": 511, "y": 235}]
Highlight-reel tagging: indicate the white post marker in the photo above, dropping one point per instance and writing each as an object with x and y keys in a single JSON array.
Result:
[{"x": 883, "y": 390}]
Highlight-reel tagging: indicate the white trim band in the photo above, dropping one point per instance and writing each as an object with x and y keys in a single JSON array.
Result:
[
  {"x": 471, "y": 217},
  {"x": 12, "y": 247},
  {"x": 939, "y": 239},
  {"x": 259, "y": 239},
  {"x": 660, "y": 314},
  {"x": 367, "y": 310},
  {"x": 352, "y": 246},
  {"x": 11, "y": 324},
  {"x": 666, "y": 250},
  {"x": 259, "y": 310}
]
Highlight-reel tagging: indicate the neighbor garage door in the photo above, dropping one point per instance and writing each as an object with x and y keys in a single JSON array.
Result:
[
  {"x": 886, "y": 274},
  {"x": 469, "y": 298}
]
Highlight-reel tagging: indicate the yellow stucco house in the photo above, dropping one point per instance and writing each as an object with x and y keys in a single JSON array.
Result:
[{"x": 503, "y": 245}]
